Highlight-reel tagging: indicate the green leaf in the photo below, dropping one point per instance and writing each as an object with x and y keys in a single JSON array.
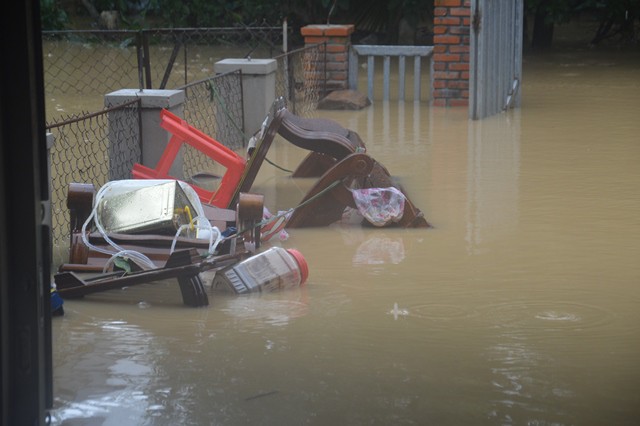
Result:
[{"x": 122, "y": 263}]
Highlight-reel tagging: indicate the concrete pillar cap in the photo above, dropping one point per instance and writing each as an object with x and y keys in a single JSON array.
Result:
[
  {"x": 150, "y": 98},
  {"x": 327, "y": 30},
  {"x": 247, "y": 66}
]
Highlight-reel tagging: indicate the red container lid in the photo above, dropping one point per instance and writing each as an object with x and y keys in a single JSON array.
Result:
[{"x": 302, "y": 263}]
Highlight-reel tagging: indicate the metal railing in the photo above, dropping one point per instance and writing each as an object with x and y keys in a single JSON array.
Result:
[{"x": 386, "y": 53}]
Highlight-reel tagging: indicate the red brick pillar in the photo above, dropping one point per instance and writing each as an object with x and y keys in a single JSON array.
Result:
[
  {"x": 451, "y": 28},
  {"x": 338, "y": 42}
]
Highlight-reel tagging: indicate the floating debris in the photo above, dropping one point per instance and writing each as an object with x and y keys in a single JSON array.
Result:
[
  {"x": 397, "y": 312},
  {"x": 261, "y": 395}
]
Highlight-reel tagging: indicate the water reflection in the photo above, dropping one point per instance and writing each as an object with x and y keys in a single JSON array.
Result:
[
  {"x": 493, "y": 167},
  {"x": 370, "y": 248},
  {"x": 378, "y": 250},
  {"x": 518, "y": 307},
  {"x": 110, "y": 373},
  {"x": 258, "y": 310}
]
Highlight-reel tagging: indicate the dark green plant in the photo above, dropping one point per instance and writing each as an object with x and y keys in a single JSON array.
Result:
[
  {"x": 198, "y": 13},
  {"x": 52, "y": 17},
  {"x": 616, "y": 18}
]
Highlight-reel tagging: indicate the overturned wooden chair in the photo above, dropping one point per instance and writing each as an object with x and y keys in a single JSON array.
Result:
[
  {"x": 337, "y": 157},
  {"x": 183, "y": 265},
  {"x": 339, "y": 160}
]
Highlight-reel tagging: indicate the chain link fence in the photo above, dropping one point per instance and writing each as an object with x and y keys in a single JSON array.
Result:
[
  {"x": 301, "y": 88},
  {"x": 82, "y": 152},
  {"x": 213, "y": 106},
  {"x": 81, "y": 67},
  {"x": 179, "y": 56}
]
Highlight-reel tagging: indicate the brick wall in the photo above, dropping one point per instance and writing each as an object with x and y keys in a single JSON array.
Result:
[
  {"x": 450, "y": 79},
  {"x": 338, "y": 42},
  {"x": 450, "y": 61}
]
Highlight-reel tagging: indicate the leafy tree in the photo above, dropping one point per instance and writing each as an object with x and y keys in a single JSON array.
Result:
[
  {"x": 614, "y": 17},
  {"x": 385, "y": 16},
  {"x": 547, "y": 13},
  {"x": 52, "y": 17}
]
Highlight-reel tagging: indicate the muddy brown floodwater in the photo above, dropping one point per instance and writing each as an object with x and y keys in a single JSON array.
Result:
[{"x": 521, "y": 306}]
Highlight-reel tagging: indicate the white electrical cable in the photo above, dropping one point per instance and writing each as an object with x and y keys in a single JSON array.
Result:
[
  {"x": 196, "y": 222},
  {"x": 141, "y": 258}
]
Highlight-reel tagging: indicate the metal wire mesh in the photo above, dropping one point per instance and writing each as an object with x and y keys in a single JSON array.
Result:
[
  {"x": 82, "y": 66},
  {"x": 179, "y": 56},
  {"x": 213, "y": 106},
  {"x": 301, "y": 77},
  {"x": 90, "y": 148},
  {"x": 96, "y": 62}
]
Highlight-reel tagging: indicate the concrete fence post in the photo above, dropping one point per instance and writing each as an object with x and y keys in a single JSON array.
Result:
[
  {"x": 258, "y": 88},
  {"x": 154, "y": 137}
]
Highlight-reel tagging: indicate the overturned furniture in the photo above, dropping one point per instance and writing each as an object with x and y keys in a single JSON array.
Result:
[
  {"x": 184, "y": 265},
  {"x": 141, "y": 224},
  {"x": 337, "y": 157}
]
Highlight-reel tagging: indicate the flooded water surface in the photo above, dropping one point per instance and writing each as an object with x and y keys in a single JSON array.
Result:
[{"x": 520, "y": 306}]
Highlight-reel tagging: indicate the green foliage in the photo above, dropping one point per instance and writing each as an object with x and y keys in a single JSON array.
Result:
[
  {"x": 123, "y": 263},
  {"x": 384, "y": 15},
  {"x": 207, "y": 13},
  {"x": 611, "y": 8},
  {"x": 52, "y": 17},
  {"x": 558, "y": 11},
  {"x": 555, "y": 11},
  {"x": 614, "y": 17},
  {"x": 616, "y": 10},
  {"x": 370, "y": 15}
]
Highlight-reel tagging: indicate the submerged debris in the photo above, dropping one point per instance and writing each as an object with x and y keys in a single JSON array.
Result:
[{"x": 156, "y": 227}]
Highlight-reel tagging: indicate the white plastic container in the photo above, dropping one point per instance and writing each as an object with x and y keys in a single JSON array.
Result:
[{"x": 271, "y": 270}]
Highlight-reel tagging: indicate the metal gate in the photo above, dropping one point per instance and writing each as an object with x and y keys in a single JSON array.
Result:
[{"x": 496, "y": 56}]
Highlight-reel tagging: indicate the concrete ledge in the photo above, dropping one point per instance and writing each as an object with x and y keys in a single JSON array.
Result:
[
  {"x": 150, "y": 98},
  {"x": 327, "y": 30},
  {"x": 246, "y": 66}
]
